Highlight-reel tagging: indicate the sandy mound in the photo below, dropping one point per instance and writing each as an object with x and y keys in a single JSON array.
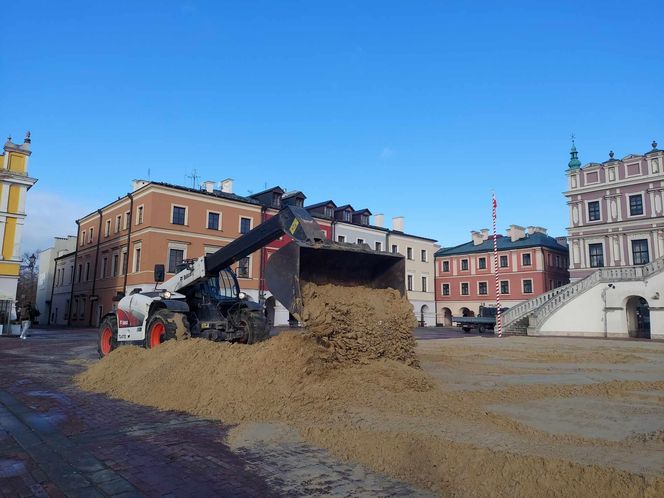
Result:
[
  {"x": 346, "y": 385},
  {"x": 356, "y": 323}
]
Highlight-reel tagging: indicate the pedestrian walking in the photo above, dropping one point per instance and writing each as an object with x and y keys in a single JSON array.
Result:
[{"x": 27, "y": 315}]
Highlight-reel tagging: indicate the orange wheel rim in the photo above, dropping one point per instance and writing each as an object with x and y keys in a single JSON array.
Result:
[
  {"x": 156, "y": 333},
  {"x": 106, "y": 335}
]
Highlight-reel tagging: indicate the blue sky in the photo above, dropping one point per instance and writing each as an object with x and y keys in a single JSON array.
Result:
[{"x": 416, "y": 108}]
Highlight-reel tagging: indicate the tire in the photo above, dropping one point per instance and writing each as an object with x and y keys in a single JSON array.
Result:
[
  {"x": 254, "y": 324},
  {"x": 107, "y": 339},
  {"x": 465, "y": 329},
  {"x": 481, "y": 329},
  {"x": 163, "y": 326}
]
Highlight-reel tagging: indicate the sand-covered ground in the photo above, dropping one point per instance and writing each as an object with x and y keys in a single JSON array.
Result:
[{"x": 477, "y": 417}]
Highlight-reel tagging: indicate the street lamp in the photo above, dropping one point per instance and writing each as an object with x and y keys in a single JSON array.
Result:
[{"x": 32, "y": 259}]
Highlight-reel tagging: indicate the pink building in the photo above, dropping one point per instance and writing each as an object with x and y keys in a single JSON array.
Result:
[
  {"x": 530, "y": 262},
  {"x": 616, "y": 211}
]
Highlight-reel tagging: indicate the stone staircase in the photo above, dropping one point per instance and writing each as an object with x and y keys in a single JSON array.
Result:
[{"x": 531, "y": 314}]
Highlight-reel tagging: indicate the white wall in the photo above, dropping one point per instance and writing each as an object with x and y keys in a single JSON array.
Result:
[{"x": 585, "y": 315}]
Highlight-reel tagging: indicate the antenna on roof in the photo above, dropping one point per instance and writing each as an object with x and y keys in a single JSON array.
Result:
[
  {"x": 148, "y": 173},
  {"x": 194, "y": 178}
]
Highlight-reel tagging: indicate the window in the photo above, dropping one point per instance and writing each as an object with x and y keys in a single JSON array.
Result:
[
  {"x": 104, "y": 264},
  {"x": 464, "y": 264},
  {"x": 127, "y": 220},
  {"x": 114, "y": 265},
  {"x": 409, "y": 252},
  {"x": 640, "y": 252},
  {"x": 482, "y": 289},
  {"x": 179, "y": 215},
  {"x": 464, "y": 289},
  {"x": 596, "y": 255},
  {"x": 593, "y": 211},
  {"x": 87, "y": 271},
  {"x": 175, "y": 257},
  {"x": 341, "y": 238},
  {"x": 635, "y": 205},
  {"x": 213, "y": 221},
  {"x": 409, "y": 280},
  {"x": 329, "y": 212},
  {"x": 347, "y": 216},
  {"x": 379, "y": 246},
  {"x": 424, "y": 284},
  {"x": 525, "y": 259},
  {"x": 504, "y": 287},
  {"x": 360, "y": 241},
  {"x": 92, "y": 233},
  {"x": 117, "y": 223},
  {"x": 446, "y": 289},
  {"x": 123, "y": 270},
  {"x": 527, "y": 286},
  {"x": 245, "y": 225},
  {"x": 481, "y": 263},
  {"x": 276, "y": 200},
  {"x": 557, "y": 261},
  {"x": 446, "y": 266},
  {"x": 503, "y": 261},
  {"x": 137, "y": 259},
  {"x": 423, "y": 255},
  {"x": 243, "y": 268},
  {"x": 364, "y": 219},
  {"x": 139, "y": 215},
  {"x": 395, "y": 249},
  {"x": 107, "y": 229},
  {"x": 80, "y": 272}
]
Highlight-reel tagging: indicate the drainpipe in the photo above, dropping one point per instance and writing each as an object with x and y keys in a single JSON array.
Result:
[
  {"x": 50, "y": 305},
  {"x": 73, "y": 283},
  {"x": 131, "y": 223},
  {"x": 94, "y": 275},
  {"x": 261, "y": 268},
  {"x": 333, "y": 230}
]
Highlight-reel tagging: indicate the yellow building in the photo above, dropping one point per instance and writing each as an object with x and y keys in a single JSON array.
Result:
[{"x": 14, "y": 184}]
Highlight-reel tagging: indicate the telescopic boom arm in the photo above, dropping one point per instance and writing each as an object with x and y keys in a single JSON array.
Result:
[{"x": 291, "y": 220}]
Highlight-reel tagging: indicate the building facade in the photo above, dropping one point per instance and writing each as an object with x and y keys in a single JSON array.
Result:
[
  {"x": 530, "y": 262},
  {"x": 157, "y": 223},
  {"x": 61, "y": 291},
  {"x": 616, "y": 211},
  {"x": 420, "y": 271},
  {"x": 49, "y": 275},
  {"x": 14, "y": 185}
]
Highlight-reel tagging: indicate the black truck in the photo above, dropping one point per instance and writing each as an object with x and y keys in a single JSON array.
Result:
[{"x": 484, "y": 322}]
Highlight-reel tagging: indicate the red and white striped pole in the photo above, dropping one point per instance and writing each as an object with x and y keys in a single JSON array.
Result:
[{"x": 499, "y": 322}]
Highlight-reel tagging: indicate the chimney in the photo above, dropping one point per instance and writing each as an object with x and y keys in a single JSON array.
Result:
[
  {"x": 477, "y": 237},
  {"x": 485, "y": 233},
  {"x": 379, "y": 219},
  {"x": 397, "y": 223},
  {"x": 516, "y": 232},
  {"x": 208, "y": 186},
  {"x": 136, "y": 184},
  {"x": 532, "y": 230},
  {"x": 226, "y": 185}
]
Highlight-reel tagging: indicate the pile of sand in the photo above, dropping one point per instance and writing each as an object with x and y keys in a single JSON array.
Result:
[
  {"x": 381, "y": 412},
  {"x": 357, "y": 324}
]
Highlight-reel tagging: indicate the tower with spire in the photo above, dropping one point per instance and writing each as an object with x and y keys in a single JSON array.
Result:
[
  {"x": 574, "y": 162},
  {"x": 14, "y": 185}
]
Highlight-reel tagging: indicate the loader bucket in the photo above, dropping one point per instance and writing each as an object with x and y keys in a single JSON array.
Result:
[{"x": 326, "y": 262}]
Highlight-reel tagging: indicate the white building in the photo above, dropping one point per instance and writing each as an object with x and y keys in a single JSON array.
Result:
[{"x": 49, "y": 275}]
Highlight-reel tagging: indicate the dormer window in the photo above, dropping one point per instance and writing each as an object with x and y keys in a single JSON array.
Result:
[
  {"x": 347, "y": 216},
  {"x": 329, "y": 212},
  {"x": 364, "y": 219},
  {"x": 299, "y": 202},
  {"x": 276, "y": 200}
]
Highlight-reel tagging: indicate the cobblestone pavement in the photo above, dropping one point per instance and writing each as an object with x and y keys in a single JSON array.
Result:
[{"x": 56, "y": 440}]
